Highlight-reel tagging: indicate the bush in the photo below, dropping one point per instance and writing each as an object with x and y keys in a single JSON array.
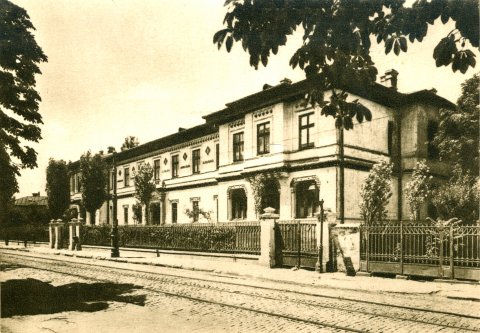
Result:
[{"x": 375, "y": 193}]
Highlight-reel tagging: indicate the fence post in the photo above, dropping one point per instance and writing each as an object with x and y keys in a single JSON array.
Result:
[
  {"x": 401, "y": 247},
  {"x": 319, "y": 265},
  {"x": 367, "y": 252},
  {"x": 267, "y": 237},
  {"x": 51, "y": 234},
  {"x": 299, "y": 244},
  {"x": 440, "y": 267},
  {"x": 452, "y": 274}
]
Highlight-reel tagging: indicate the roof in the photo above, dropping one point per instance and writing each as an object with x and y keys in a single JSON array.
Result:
[
  {"x": 285, "y": 92},
  {"x": 31, "y": 201}
]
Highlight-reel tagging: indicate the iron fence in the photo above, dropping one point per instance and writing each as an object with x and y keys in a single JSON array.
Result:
[
  {"x": 421, "y": 249},
  {"x": 231, "y": 237},
  {"x": 297, "y": 241}
]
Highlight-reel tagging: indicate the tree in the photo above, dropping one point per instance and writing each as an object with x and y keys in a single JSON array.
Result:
[
  {"x": 19, "y": 117},
  {"x": 458, "y": 131},
  {"x": 376, "y": 193},
  {"x": 458, "y": 198},
  {"x": 418, "y": 189},
  {"x": 57, "y": 188},
  {"x": 130, "y": 142},
  {"x": 93, "y": 170},
  {"x": 144, "y": 186}
]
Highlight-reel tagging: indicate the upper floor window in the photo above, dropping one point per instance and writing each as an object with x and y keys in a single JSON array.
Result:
[
  {"x": 306, "y": 125},
  {"x": 156, "y": 169},
  {"x": 238, "y": 147},
  {"x": 432, "y": 150},
  {"x": 390, "y": 129},
  {"x": 72, "y": 183},
  {"x": 174, "y": 166},
  {"x": 263, "y": 138},
  {"x": 196, "y": 161},
  {"x": 126, "y": 177},
  {"x": 217, "y": 155}
]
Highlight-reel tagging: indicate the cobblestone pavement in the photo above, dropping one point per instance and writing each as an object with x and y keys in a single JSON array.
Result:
[{"x": 196, "y": 301}]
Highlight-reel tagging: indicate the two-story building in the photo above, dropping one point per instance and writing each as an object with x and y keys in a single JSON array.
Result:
[{"x": 211, "y": 169}]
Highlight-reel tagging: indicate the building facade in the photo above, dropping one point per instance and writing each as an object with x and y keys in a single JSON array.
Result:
[{"x": 211, "y": 172}]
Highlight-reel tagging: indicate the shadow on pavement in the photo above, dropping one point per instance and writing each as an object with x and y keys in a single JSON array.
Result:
[{"x": 31, "y": 297}]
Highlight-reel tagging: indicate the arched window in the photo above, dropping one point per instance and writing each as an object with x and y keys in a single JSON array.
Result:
[
  {"x": 306, "y": 198},
  {"x": 238, "y": 199},
  {"x": 271, "y": 195}
]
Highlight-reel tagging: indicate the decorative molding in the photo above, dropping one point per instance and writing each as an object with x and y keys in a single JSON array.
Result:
[
  {"x": 263, "y": 112},
  {"x": 237, "y": 123},
  {"x": 194, "y": 199},
  {"x": 235, "y": 187},
  {"x": 297, "y": 180},
  {"x": 173, "y": 200}
]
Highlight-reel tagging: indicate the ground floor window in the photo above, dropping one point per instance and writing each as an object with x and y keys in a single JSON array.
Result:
[
  {"x": 174, "y": 212},
  {"x": 238, "y": 199},
  {"x": 271, "y": 195},
  {"x": 306, "y": 198},
  {"x": 155, "y": 212},
  {"x": 125, "y": 214},
  {"x": 195, "y": 211}
]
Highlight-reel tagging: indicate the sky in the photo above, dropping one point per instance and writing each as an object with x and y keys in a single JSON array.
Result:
[{"x": 147, "y": 67}]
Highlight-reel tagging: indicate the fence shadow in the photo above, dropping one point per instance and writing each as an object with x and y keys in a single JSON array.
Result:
[{"x": 32, "y": 297}]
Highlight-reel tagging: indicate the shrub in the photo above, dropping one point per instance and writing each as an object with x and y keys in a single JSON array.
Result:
[{"x": 375, "y": 193}]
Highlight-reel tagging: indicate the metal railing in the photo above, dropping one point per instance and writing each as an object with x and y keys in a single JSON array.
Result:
[
  {"x": 298, "y": 241},
  {"x": 413, "y": 247},
  {"x": 231, "y": 237}
]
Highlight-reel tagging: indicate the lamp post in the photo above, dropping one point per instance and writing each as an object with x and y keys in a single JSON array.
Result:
[{"x": 115, "y": 252}]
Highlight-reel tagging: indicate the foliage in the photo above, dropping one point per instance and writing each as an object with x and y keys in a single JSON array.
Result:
[
  {"x": 199, "y": 212},
  {"x": 440, "y": 235},
  {"x": 19, "y": 117},
  {"x": 27, "y": 232},
  {"x": 375, "y": 193},
  {"x": 70, "y": 213},
  {"x": 258, "y": 184},
  {"x": 458, "y": 131},
  {"x": 93, "y": 170},
  {"x": 418, "y": 189},
  {"x": 57, "y": 187},
  {"x": 130, "y": 142},
  {"x": 336, "y": 39},
  {"x": 144, "y": 186},
  {"x": 137, "y": 212},
  {"x": 27, "y": 215},
  {"x": 459, "y": 197}
]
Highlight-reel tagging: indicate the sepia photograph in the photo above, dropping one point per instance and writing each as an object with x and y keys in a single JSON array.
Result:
[{"x": 239, "y": 166}]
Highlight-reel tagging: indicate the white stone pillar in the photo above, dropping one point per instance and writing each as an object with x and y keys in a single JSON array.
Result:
[
  {"x": 267, "y": 237},
  {"x": 51, "y": 234}
]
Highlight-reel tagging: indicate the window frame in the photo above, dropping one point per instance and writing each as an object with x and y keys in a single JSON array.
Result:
[
  {"x": 265, "y": 135},
  {"x": 195, "y": 210},
  {"x": 307, "y": 127},
  {"x": 238, "y": 146},
  {"x": 196, "y": 161},
  {"x": 174, "y": 206},
  {"x": 126, "y": 176},
  {"x": 432, "y": 129},
  {"x": 390, "y": 136},
  {"x": 175, "y": 163},
  {"x": 156, "y": 169},
  {"x": 217, "y": 156}
]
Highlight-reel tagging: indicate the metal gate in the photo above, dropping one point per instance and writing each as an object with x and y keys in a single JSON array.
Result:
[{"x": 296, "y": 243}]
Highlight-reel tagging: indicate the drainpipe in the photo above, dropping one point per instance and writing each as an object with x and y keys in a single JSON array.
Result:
[
  {"x": 398, "y": 162},
  {"x": 341, "y": 176}
]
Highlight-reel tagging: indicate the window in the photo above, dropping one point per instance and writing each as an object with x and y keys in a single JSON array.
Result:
[
  {"x": 305, "y": 133},
  {"x": 174, "y": 166},
  {"x": 217, "y": 155},
  {"x": 432, "y": 150},
  {"x": 390, "y": 129},
  {"x": 126, "y": 177},
  {"x": 271, "y": 195},
  {"x": 72, "y": 183},
  {"x": 78, "y": 183},
  {"x": 306, "y": 197},
  {"x": 195, "y": 211},
  {"x": 125, "y": 214},
  {"x": 263, "y": 138},
  {"x": 196, "y": 161},
  {"x": 238, "y": 204},
  {"x": 156, "y": 169},
  {"x": 238, "y": 147},
  {"x": 174, "y": 212}
]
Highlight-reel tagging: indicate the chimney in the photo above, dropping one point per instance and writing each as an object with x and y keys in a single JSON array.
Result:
[
  {"x": 266, "y": 86},
  {"x": 390, "y": 79},
  {"x": 286, "y": 81},
  {"x": 181, "y": 129},
  {"x": 37, "y": 194}
]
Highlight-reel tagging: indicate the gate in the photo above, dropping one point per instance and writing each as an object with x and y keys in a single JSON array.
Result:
[
  {"x": 449, "y": 251},
  {"x": 296, "y": 242}
]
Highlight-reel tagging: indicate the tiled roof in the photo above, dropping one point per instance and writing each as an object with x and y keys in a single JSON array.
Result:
[{"x": 31, "y": 201}]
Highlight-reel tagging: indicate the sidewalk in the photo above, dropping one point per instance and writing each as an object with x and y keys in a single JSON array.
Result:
[{"x": 449, "y": 289}]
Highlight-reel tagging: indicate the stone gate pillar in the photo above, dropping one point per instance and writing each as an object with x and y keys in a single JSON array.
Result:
[
  {"x": 51, "y": 234},
  {"x": 58, "y": 234},
  {"x": 267, "y": 237}
]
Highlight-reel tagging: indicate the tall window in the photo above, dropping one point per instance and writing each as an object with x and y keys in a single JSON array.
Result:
[
  {"x": 126, "y": 177},
  {"x": 432, "y": 129},
  {"x": 72, "y": 183},
  {"x": 306, "y": 197},
  {"x": 174, "y": 212},
  {"x": 217, "y": 155},
  {"x": 196, "y": 161},
  {"x": 174, "y": 166},
  {"x": 390, "y": 137},
  {"x": 239, "y": 204},
  {"x": 156, "y": 169},
  {"x": 263, "y": 138},
  {"x": 238, "y": 147},
  {"x": 305, "y": 131},
  {"x": 125, "y": 214},
  {"x": 195, "y": 210}
]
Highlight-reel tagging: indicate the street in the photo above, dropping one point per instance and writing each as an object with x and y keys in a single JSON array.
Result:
[{"x": 43, "y": 293}]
